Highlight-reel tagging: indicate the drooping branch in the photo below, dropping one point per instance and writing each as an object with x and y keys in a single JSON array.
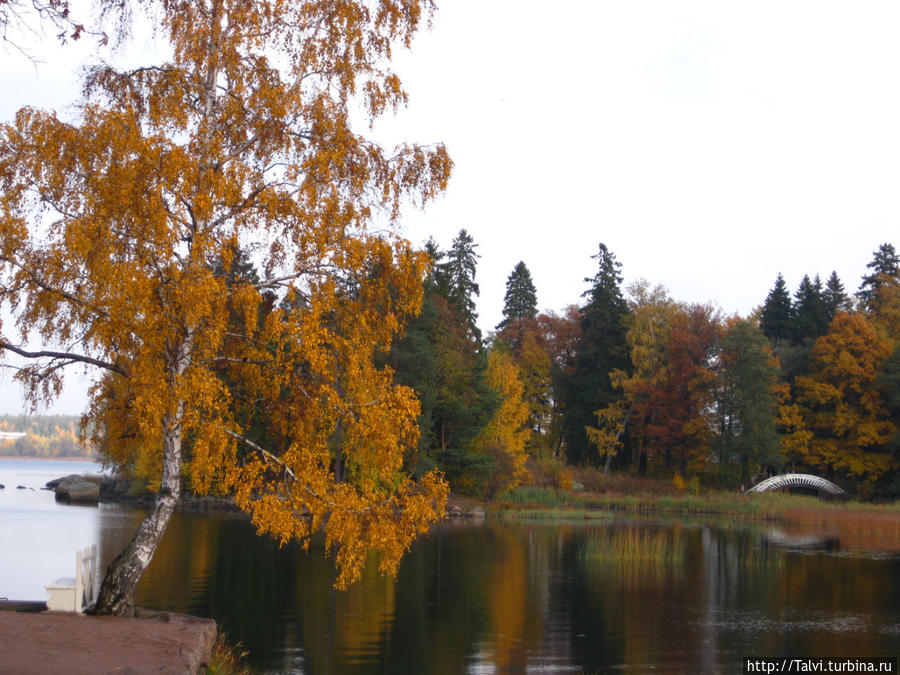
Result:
[
  {"x": 69, "y": 357},
  {"x": 269, "y": 457},
  {"x": 287, "y": 280}
]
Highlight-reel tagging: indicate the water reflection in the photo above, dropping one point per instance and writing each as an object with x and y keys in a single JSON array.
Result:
[
  {"x": 513, "y": 597},
  {"x": 498, "y": 597}
]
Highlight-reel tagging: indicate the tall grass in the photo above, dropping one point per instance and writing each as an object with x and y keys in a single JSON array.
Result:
[
  {"x": 227, "y": 659},
  {"x": 548, "y": 502},
  {"x": 852, "y": 517}
]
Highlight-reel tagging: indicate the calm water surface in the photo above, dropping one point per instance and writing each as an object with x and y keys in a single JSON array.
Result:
[{"x": 617, "y": 596}]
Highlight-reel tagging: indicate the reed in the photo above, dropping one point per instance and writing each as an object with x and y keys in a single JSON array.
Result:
[
  {"x": 555, "y": 514},
  {"x": 541, "y": 496},
  {"x": 637, "y": 548}
]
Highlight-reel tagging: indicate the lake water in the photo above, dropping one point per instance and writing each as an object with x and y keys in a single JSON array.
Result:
[{"x": 613, "y": 596}]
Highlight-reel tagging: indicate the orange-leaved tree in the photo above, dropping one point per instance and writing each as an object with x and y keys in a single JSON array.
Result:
[
  {"x": 679, "y": 405},
  {"x": 844, "y": 426},
  {"x": 118, "y": 235}
]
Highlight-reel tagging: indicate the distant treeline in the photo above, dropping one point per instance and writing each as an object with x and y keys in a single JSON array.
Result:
[
  {"x": 634, "y": 381},
  {"x": 45, "y": 436},
  {"x": 630, "y": 380}
]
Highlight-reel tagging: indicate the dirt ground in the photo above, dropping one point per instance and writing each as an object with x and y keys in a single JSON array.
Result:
[{"x": 50, "y": 642}]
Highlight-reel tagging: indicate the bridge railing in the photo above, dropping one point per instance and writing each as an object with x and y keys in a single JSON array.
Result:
[{"x": 799, "y": 480}]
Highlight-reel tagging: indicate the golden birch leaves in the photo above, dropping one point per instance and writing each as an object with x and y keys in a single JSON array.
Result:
[{"x": 122, "y": 238}]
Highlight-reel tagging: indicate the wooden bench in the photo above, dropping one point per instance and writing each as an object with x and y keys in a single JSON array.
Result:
[{"x": 78, "y": 593}]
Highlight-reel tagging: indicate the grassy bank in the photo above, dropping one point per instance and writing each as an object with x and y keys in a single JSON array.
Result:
[
  {"x": 227, "y": 659},
  {"x": 557, "y": 504}
]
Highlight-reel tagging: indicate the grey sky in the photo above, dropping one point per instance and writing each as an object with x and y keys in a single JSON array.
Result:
[{"x": 710, "y": 145}]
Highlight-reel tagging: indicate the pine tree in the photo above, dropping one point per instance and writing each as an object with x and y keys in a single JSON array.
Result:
[
  {"x": 414, "y": 362},
  {"x": 835, "y": 296},
  {"x": 520, "y": 301},
  {"x": 778, "y": 313},
  {"x": 602, "y": 349},
  {"x": 458, "y": 273},
  {"x": 885, "y": 268}
]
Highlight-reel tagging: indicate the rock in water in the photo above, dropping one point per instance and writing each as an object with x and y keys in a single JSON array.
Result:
[{"x": 78, "y": 490}]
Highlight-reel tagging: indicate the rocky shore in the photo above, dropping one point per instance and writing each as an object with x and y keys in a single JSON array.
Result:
[
  {"x": 94, "y": 489},
  {"x": 97, "y": 489}
]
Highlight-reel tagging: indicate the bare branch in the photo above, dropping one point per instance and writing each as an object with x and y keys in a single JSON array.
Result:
[
  {"x": 31, "y": 17},
  {"x": 66, "y": 356}
]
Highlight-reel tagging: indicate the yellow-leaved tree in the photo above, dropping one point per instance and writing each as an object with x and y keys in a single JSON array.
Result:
[
  {"x": 504, "y": 437},
  {"x": 649, "y": 327},
  {"x": 839, "y": 421},
  {"x": 125, "y": 239}
]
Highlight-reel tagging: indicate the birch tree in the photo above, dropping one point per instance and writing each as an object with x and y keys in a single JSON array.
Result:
[{"x": 117, "y": 232}]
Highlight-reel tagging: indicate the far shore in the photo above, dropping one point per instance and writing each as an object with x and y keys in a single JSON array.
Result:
[{"x": 52, "y": 459}]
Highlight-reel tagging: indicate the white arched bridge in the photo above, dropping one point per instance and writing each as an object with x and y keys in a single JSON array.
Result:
[{"x": 785, "y": 481}]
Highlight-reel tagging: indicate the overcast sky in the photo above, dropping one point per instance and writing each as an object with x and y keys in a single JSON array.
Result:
[{"x": 710, "y": 145}]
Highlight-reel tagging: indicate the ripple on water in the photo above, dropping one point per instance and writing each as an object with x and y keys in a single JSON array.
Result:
[{"x": 728, "y": 620}]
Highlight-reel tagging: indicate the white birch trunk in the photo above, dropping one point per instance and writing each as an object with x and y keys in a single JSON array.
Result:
[{"x": 123, "y": 574}]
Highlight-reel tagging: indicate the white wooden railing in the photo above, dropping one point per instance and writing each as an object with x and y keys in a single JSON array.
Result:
[{"x": 78, "y": 593}]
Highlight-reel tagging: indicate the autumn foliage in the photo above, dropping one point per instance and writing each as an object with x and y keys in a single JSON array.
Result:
[
  {"x": 661, "y": 388},
  {"x": 119, "y": 234},
  {"x": 215, "y": 237},
  {"x": 845, "y": 425},
  {"x": 505, "y": 436}
]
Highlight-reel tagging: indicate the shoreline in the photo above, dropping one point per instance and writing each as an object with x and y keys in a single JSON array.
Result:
[
  {"x": 869, "y": 526},
  {"x": 79, "y": 458}
]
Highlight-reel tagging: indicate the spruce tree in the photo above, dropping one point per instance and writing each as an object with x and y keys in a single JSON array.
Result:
[
  {"x": 458, "y": 274},
  {"x": 810, "y": 311},
  {"x": 602, "y": 349},
  {"x": 885, "y": 268},
  {"x": 440, "y": 359},
  {"x": 835, "y": 297},
  {"x": 778, "y": 313},
  {"x": 520, "y": 301}
]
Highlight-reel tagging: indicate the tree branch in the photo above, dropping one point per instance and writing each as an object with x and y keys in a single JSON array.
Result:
[
  {"x": 68, "y": 356},
  {"x": 232, "y": 359},
  {"x": 44, "y": 286},
  {"x": 269, "y": 457}
]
